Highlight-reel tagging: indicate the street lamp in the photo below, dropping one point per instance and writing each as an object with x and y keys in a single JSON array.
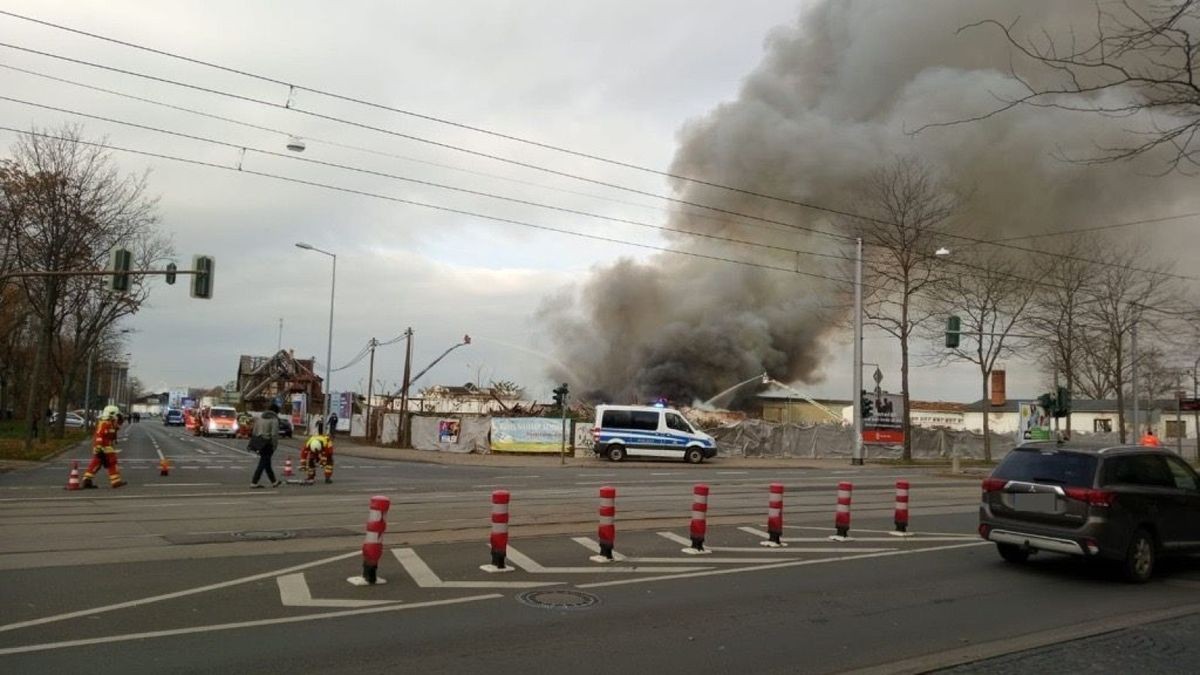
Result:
[
  {"x": 329, "y": 343},
  {"x": 942, "y": 251}
]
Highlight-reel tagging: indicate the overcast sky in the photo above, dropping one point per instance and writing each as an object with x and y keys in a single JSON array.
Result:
[{"x": 614, "y": 78}]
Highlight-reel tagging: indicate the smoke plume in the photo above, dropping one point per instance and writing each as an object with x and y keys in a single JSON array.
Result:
[{"x": 836, "y": 96}]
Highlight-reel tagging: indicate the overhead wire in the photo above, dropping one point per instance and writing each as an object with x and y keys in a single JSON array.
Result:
[{"x": 440, "y": 120}]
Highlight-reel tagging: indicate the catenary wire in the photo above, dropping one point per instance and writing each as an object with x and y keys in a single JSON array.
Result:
[{"x": 440, "y": 120}]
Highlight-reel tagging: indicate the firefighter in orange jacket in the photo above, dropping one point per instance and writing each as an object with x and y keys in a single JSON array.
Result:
[
  {"x": 1150, "y": 440},
  {"x": 104, "y": 451},
  {"x": 318, "y": 448}
]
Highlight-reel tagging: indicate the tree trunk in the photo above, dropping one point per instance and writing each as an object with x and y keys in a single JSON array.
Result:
[
  {"x": 35, "y": 407},
  {"x": 1120, "y": 395},
  {"x": 1071, "y": 390},
  {"x": 987, "y": 407},
  {"x": 906, "y": 425}
]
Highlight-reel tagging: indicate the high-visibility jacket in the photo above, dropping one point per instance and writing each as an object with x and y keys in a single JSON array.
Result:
[
  {"x": 106, "y": 434},
  {"x": 1151, "y": 440}
]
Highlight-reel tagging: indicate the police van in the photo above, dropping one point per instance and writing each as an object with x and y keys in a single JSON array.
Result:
[{"x": 622, "y": 431}]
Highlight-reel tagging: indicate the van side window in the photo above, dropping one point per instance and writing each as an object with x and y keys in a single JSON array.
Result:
[
  {"x": 679, "y": 424},
  {"x": 643, "y": 420},
  {"x": 616, "y": 419}
]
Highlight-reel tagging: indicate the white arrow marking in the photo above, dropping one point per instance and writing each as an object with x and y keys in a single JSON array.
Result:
[
  {"x": 293, "y": 592},
  {"x": 427, "y": 578},
  {"x": 594, "y": 546},
  {"x": 759, "y": 533},
  {"x": 752, "y": 549},
  {"x": 529, "y": 565}
]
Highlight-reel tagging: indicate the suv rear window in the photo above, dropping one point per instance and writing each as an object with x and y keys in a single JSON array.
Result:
[{"x": 1038, "y": 466}]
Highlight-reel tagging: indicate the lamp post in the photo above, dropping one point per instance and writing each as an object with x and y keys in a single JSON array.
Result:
[
  {"x": 856, "y": 457},
  {"x": 329, "y": 342}
]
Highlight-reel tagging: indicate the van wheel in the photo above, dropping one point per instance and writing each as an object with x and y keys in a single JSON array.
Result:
[
  {"x": 1013, "y": 553},
  {"x": 1140, "y": 558},
  {"x": 694, "y": 456},
  {"x": 616, "y": 453}
]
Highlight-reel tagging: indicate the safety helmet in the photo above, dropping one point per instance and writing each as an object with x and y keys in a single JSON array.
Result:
[{"x": 110, "y": 412}]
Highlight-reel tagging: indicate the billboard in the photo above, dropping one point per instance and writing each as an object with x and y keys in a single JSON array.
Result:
[
  {"x": 299, "y": 409},
  {"x": 175, "y": 397},
  {"x": 883, "y": 418},
  {"x": 1034, "y": 424},
  {"x": 526, "y": 434}
]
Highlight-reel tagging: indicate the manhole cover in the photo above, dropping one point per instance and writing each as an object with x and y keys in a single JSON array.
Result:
[
  {"x": 264, "y": 535},
  {"x": 558, "y": 599}
]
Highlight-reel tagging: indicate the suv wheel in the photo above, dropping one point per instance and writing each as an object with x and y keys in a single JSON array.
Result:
[
  {"x": 1013, "y": 553},
  {"x": 1140, "y": 558},
  {"x": 616, "y": 453},
  {"x": 694, "y": 456}
]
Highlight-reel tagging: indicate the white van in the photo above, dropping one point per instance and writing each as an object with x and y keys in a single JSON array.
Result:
[{"x": 622, "y": 431}]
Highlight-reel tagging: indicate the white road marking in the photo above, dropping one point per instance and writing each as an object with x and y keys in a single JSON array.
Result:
[
  {"x": 732, "y": 473},
  {"x": 171, "y": 596},
  {"x": 427, "y": 578},
  {"x": 594, "y": 546},
  {"x": 293, "y": 592},
  {"x": 240, "y": 624},
  {"x": 916, "y": 537},
  {"x": 758, "y": 549},
  {"x": 959, "y": 535},
  {"x": 780, "y": 565},
  {"x": 179, "y": 485},
  {"x": 529, "y": 565}
]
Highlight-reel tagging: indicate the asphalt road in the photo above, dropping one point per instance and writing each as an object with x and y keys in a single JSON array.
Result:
[{"x": 194, "y": 572}]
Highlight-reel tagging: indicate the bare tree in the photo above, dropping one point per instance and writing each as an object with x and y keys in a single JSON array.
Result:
[
  {"x": 64, "y": 203},
  {"x": 1057, "y": 314},
  {"x": 1139, "y": 58},
  {"x": 993, "y": 300},
  {"x": 1125, "y": 296},
  {"x": 908, "y": 206}
]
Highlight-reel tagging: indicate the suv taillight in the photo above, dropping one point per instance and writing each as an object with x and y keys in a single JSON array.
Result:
[
  {"x": 1092, "y": 496},
  {"x": 994, "y": 484}
]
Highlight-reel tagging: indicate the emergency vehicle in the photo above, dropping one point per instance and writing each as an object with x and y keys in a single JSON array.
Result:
[{"x": 217, "y": 420}]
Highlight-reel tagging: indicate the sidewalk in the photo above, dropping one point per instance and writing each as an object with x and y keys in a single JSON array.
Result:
[{"x": 348, "y": 447}]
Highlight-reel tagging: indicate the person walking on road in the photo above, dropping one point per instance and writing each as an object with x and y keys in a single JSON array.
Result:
[
  {"x": 104, "y": 451},
  {"x": 263, "y": 440}
]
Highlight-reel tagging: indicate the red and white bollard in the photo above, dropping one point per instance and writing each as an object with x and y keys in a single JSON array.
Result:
[
  {"x": 699, "y": 525},
  {"x": 901, "y": 518},
  {"x": 607, "y": 532},
  {"x": 842, "y": 520},
  {"x": 372, "y": 548},
  {"x": 775, "y": 517},
  {"x": 499, "y": 538}
]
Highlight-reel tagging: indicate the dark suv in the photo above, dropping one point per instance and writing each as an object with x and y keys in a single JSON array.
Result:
[{"x": 1128, "y": 504}]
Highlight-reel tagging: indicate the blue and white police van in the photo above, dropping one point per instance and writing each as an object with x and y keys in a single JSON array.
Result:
[{"x": 622, "y": 431}]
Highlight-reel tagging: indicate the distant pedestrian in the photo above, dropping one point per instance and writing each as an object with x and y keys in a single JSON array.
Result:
[
  {"x": 333, "y": 420},
  {"x": 1150, "y": 439},
  {"x": 264, "y": 440}
]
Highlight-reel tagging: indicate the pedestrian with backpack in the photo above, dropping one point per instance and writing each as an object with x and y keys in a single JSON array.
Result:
[{"x": 264, "y": 440}]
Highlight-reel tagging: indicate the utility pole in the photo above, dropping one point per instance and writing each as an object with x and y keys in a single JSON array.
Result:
[
  {"x": 857, "y": 456},
  {"x": 370, "y": 382},
  {"x": 279, "y": 343},
  {"x": 1137, "y": 429},
  {"x": 87, "y": 391},
  {"x": 408, "y": 335}
]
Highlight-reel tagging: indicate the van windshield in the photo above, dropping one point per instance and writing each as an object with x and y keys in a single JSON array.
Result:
[
  {"x": 224, "y": 414},
  {"x": 677, "y": 423}
]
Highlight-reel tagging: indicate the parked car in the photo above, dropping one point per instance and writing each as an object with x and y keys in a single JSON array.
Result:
[
  {"x": 173, "y": 418},
  {"x": 73, "y": 420},
  {"x": 1127, "y": 504},
  {"x": 285, "y": 427}
]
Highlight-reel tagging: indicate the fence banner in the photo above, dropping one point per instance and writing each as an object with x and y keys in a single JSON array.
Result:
[
  {"x": 527, "y": 434},
  {"x": 1034, "y": 422}
]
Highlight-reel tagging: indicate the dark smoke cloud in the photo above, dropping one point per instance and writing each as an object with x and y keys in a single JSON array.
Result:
[{"x": 835, "y": 97}]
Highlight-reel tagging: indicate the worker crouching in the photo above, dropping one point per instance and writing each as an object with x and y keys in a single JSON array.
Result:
[
  {"x": 317, "y": 449},
  {"x": 104, "y": 450}
]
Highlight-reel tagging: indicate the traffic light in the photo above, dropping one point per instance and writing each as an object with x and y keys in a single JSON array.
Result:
[
  {"x": 120, "y": 264},
  {"x": 1047, "y": 402},
  {"x": 202, "y": 280},
  {"x": 1062, "y": 402},
  {"x": 868, "y": 408},
  {"x": 170, "y": 275},
  {"x": 560, "y": 395},
  {"x": 953, "y": 331}
]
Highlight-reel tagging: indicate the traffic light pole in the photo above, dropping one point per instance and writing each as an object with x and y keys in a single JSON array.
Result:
[{"x": 857, "y": 457}]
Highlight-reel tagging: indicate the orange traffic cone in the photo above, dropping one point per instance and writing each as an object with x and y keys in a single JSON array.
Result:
[
  {"x": 164, "y": 467},
  {"x": 287, "y": 468},
  {"x": 73, "y": 478}
]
